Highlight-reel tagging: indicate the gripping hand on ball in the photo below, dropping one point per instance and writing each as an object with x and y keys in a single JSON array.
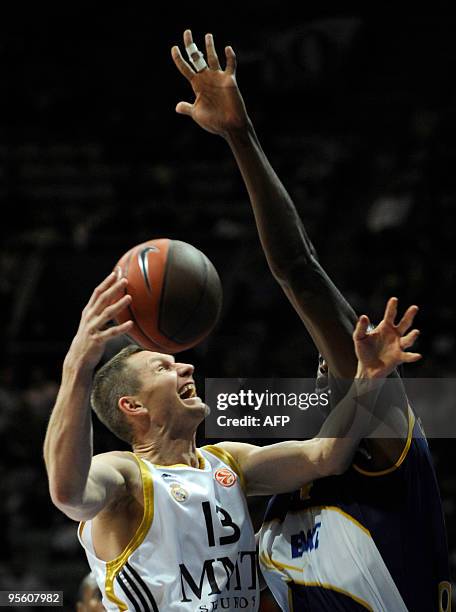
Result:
[
  {"x": 218, "y": 106},
  {"x": 107, "y": 300}
]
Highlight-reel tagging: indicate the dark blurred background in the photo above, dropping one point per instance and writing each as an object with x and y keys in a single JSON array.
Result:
[{"x": 358, "y": 116}]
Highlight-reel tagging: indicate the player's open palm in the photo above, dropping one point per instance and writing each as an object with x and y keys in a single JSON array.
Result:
[
  {"x": 218, "y": 107},
  {"x": 382, "y": 349}
]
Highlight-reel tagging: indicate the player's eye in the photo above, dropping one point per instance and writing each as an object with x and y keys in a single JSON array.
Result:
[{"x": 163, "y": 367}]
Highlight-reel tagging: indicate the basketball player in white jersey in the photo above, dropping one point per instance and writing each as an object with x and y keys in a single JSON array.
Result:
[
  {"x": 166, "y": 527},
  {"x": 349, "y": 542}
]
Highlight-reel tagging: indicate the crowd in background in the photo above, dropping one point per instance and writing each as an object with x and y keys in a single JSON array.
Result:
[{"x": 358, "y": 117}]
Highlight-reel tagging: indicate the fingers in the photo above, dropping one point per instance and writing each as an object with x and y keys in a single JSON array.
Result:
[
  {"x": 410, "y": 357},
  {"x": 109, "y": 295},
  {"x": 390, "y": 311},
  {"x": 361, "y": 328},
  {"x": 194, "y": 54},
  {"x": 212, "y": 58},
  {"x": 105, "y": 284},
  {"x": 188, "y": 38},
  {"x": 230, "y": 61},
  {"x": 116, "y": 330},
  {"x": 110, "y": 312},
  {"x": 184, "y": 108},
  {"x": 408, "y": 340},
  {"x": 183, "y": 67},
  {"x": 211, "y": 53},
  {"x": 407, "y": 320}
]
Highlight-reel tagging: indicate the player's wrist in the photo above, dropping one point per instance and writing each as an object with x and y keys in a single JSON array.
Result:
[
  {"x": 78, "y": 366},
  {"x": 368, "y": 376},
  {"x": 241, "y": 133}
]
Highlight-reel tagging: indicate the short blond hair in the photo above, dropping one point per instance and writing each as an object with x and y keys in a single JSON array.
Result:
[{"x": 111, "y": 382}]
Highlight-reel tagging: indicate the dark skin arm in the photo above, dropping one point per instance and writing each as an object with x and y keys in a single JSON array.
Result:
[
  {"x": 330, "y": 320},
  {"x": 287, "y": 466},
  {"x": 328, "y": 317},
  {"x": 219, "y": 109}
]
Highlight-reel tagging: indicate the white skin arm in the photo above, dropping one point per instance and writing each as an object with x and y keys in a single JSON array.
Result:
[
  {"x": 79, "y": 484},
  {"x": 287, "y": 466}
]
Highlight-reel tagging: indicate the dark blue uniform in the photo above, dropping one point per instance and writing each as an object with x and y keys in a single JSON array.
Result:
[{"x": 401, "y": 508}]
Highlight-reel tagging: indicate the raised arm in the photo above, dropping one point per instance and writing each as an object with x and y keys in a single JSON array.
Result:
[
  {"x": 81, "y": 486},
  {"x": 220, "y": 109},
  {"x": 287, "y": 466}
]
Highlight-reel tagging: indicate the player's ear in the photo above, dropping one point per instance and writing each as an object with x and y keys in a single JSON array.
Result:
[{"x": 130, "y": 405}]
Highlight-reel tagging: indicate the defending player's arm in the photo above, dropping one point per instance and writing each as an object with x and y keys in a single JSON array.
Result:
[
  {"x": 330, "y": 320},
  {"x": 219, "y": 109},
  {"x": 80, "y": 485},
  {"x": 289, "y": 465}
]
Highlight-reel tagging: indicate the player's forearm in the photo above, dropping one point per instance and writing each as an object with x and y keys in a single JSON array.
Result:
[
  {"x": 348, "y": 423},
  {"x": 68, "y": 442},
  {"x": 281, "y": 231},
  {"x": 292, "y": 258}
]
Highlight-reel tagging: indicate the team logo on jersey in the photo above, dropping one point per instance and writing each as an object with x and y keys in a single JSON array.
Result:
[
  {"x": 178, "y": 492},
  {"x": 225, "y": 477},
  {"x": 171, "y": 479},
  {"x": 304, "y": 542},
  {"x": 169, "y": 476}
]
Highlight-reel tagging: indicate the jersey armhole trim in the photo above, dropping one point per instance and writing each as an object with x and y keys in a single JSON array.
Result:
[
  {"x": 403, "y": 455},
  {"x": 227, "y": 458},
  {"x": 444, "y": 596},
  {"x": 113, "y": 567}
]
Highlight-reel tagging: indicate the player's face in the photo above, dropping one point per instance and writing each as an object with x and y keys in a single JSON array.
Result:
[{"x": 167, "y": 387}]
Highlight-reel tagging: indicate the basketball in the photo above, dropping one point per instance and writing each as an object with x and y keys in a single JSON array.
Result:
[{"x": 176, "y": 295}]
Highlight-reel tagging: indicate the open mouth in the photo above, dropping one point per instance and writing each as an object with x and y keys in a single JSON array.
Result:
[{"x": 187, "y": 391}]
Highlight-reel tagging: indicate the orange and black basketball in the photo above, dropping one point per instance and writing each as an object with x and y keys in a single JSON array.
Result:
[{"x": 176, "y": 295}]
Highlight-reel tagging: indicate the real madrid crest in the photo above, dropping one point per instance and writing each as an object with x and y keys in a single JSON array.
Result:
[{"x": 178, "y": 492}]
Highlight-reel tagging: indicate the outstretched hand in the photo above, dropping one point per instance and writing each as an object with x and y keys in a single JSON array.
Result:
[
  {"x": 107, "y": 300},
  {"x": 382, "y": 349},
  {"x": 218, "y": 106}
]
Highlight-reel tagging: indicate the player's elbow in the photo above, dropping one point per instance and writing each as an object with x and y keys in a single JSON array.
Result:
[
  {"x": 61, "y": 496},
  {"x": 69, "y": 502},
  {"x": 72, "y": 506},
  {"x": 301, "y": 270}
]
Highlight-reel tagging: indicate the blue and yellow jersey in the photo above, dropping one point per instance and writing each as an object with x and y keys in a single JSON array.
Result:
[{"x": 362, "y": 540}]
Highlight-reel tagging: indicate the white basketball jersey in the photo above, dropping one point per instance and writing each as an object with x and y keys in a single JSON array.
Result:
[
  {"x": 195, "y": 547},
  {"x": 325, "y": 548}
]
